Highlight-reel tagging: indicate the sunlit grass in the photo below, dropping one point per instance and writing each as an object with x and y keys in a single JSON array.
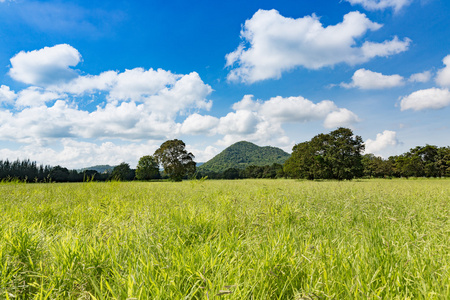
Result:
[{"x": 248, "y": 239}]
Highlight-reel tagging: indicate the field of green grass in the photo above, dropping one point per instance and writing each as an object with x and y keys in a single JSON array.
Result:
[{"x": 247, "y": 239}]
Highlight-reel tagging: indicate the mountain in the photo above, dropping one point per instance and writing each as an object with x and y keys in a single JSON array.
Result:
[
  {"x": 100, "y": 168},
  {"x": 243, "y": 154}
]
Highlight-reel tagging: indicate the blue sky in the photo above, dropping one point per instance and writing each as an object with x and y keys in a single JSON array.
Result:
[{"x": 88, "y": 82}]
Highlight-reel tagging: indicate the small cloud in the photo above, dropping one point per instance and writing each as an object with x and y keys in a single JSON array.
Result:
[
  {"x": 382, "y": 141},
  {"x": 381, "y": 4},
  {"x": 49, "y": 65},
  {"x": 340, "y": 118},
  {"x": 433, "y": 98},
  {"x": 443, "y": 75},
  {"x": 198, "y": 124},
  {"x": 420, "y": 77},
  {"x": 7, "y": 96},
  {"x": 368, "y": 80}
]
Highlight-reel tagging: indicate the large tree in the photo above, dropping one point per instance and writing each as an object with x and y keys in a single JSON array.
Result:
[
  {"x": 122, "y": 172},
  {"x": 147, "y": 168},
  {"x": 336, "y": 155},
  {"x": 175, "y": 160}
]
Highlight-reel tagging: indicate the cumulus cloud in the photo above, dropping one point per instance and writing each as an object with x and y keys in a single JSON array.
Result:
[
  {"x": 46, "y": 66},
  {"x": 261, "y": 121},
  {"x": 273, "y": 44},
  {"x": 433, "y": 98},
  {"x": 383, "y": 140},
  {"x": 443, "y": 75},
  {"x": 420, "y": 77},
  {"x": 78, "y": 154},
  {"x": 7, "y": 96},
  {"x": 367, "y": 80},
  {"x": 381, "y": 4},
  {"x": 340, "y": 118},
  {"x": 140, "y": 104},
  {"x": 203, "y": 155},
  {"x": 35, "y": 96},
  {"x": 198, "y": 124}
]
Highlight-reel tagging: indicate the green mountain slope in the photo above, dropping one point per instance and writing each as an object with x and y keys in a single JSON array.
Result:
[
  {"x": 243, "y": 154},
  {"x": 99, "y": 168}
]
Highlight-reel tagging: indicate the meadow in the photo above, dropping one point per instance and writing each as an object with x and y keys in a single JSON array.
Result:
[{"x": 246, "y": 239}]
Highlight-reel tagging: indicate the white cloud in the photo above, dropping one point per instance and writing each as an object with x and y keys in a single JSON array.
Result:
[
  {"x": 296, "y": 109},
  {"x": 382, "y": 141},
  {"x": 203, "y": 155},
  {"x": 420, "y": 77},
  {"x": 381, "y": 4},
  {"x": 367, "y": 80},
  {"x": 443, "y": 75},
  {"x": 165, "y": 92},
  {"x": 273, "y": 44},
  {"x": 261, "y": 121},
  {"x": 78, "y": 154},
  {"x": 198, "y": 124},
  {"x": 340, "y": 118},
  {"x": 242, "y": 122},
  {"x": 7, "y": 96},
  {"x": 46, "y": 66},
  {"x": 433, "y": 98},
  {"x": 35, "y": 96}
]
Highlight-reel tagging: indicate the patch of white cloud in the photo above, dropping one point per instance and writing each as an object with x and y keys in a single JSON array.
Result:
[
  {"x": 7, "y": 96},
  {"x": 433, "y": 98},
  {"x": 36, "y": 96},
  {"x": 443, "y": 75},
  {"x": 420, "y": 77},
  {"x": 382, "y": 141},
  {"x": 273, "y": 44},
  {"x": 197, "y": 124},
  {"x": 369, "y": 80},
  {"x": 340, "y": 118},
  {"x": 262, "y": 121},
  {"x": 203, "y": 155},
  {"x": 76, "y": 154},
  {"x": 381, "y": 4},
  {"x": 49, "y": 65}
]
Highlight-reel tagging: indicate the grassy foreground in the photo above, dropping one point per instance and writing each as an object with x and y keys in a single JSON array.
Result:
[{"x": 248, "y": 239}]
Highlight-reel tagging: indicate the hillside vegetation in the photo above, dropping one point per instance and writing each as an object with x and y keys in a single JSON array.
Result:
[
  {"x": 247, "y": 239},
  {"x": 243, "y": 154}
]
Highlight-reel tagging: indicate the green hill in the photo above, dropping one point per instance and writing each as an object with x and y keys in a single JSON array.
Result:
[
  {"x": 243, "y": 154},
  {"x": 100, "y": 168}
]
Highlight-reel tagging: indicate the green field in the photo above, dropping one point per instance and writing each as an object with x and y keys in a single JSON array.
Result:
[{"x": 247, "y": 239}]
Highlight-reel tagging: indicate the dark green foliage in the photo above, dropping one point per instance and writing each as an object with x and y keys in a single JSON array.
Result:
[
  {"x": 336, "y": 155},
  {"x": 423, "y": 161},
  {"x": 122, "y": 172},
  {"x": 59, "y": 174},
  {"x": 176, "y": 161},
  {"x": 147, "y": 168},
  {"x": 25, "y": 170},
  {"x": 377, "y": 167},
  {"x": 241, "y": 155}
]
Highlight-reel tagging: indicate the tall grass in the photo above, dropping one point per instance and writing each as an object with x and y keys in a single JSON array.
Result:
[{"x": 249, "y": 239}]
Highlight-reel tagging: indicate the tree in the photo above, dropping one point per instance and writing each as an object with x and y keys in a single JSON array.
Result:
[
  {"x": 59, "y": 174},
  {"x": 336, "y": 155},
  {"x": 122, "y": 172},
  {"x": 147, "y": 168},
  {"x": 176, "y": 161}
]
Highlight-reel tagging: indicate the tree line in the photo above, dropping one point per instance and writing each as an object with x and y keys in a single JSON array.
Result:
[{"x": 336, "y": 155}]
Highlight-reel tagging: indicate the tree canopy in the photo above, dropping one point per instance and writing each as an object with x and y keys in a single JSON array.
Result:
[
  {"x": 147, "y": 168},
  {"x": 336, "y": 155},
  {"x": 122, "y": 172},
  {"x": 175, "y": 160}
]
